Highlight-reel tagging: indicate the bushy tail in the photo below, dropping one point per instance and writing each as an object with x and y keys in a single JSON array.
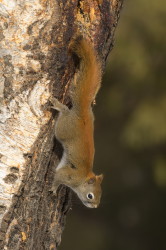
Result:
[{"x": 87, "y": 79}]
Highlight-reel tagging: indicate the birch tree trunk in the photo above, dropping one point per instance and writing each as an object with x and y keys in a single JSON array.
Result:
[{"x": 35, "y": 64}]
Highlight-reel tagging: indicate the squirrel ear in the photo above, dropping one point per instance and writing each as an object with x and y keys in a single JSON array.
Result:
[
  {"x": 100, "y": 178},
  {"x": 91, "y": 180}
]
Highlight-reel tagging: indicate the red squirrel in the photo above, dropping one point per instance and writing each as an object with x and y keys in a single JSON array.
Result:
[{"x": 75, "y": 127}]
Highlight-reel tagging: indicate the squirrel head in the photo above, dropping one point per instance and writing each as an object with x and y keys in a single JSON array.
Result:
[{"x": 89, "y": 191}]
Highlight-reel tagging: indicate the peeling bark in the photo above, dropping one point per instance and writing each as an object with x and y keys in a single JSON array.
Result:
[{"x": 35, "y": 64}]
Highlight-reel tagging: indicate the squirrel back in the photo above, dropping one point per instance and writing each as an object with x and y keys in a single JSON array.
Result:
[{"x": 87, "y": 79}]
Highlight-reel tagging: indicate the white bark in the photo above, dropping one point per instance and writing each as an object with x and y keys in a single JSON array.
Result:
[{"x": 21, "y": 117}]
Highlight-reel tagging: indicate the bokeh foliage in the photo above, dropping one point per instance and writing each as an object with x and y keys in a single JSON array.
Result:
[{"x": 130, "y": 134}]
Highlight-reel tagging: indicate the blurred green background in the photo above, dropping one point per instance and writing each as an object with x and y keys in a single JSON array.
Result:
[{"x": 130, "y": 138}]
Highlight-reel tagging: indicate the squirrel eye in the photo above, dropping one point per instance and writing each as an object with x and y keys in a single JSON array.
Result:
[{"x": 90, "y": 196}]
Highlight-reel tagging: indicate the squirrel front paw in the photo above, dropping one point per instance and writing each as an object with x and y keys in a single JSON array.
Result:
[{"x": 53, "y": 190}]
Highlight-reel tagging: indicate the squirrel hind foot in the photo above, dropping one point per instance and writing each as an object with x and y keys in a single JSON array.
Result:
[{"x": 57, "y": 105}]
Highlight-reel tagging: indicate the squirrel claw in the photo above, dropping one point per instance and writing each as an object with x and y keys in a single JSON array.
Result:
[
  {"x": 54, "y": 193},
  {"x": 54, "y": 189},
  {"x": 53, "y": 100}
]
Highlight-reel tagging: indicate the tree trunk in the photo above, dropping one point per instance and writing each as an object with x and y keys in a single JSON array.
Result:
[{"x": 35, "y": 64}]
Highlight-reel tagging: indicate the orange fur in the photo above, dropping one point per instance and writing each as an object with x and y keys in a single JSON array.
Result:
[
  {"x": 88, "y": 78},
  {"x": 75, "y": 128},
  {"x": 87, "y": 83}
]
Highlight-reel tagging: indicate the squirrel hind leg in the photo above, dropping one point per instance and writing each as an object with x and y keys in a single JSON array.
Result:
[{"x": 58, "y": 105}]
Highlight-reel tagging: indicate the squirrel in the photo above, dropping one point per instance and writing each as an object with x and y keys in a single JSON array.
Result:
[{"x": 75, "y": 127}]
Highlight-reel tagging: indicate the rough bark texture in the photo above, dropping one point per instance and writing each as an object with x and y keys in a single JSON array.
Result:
[{"x": 34, "y": 64}]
